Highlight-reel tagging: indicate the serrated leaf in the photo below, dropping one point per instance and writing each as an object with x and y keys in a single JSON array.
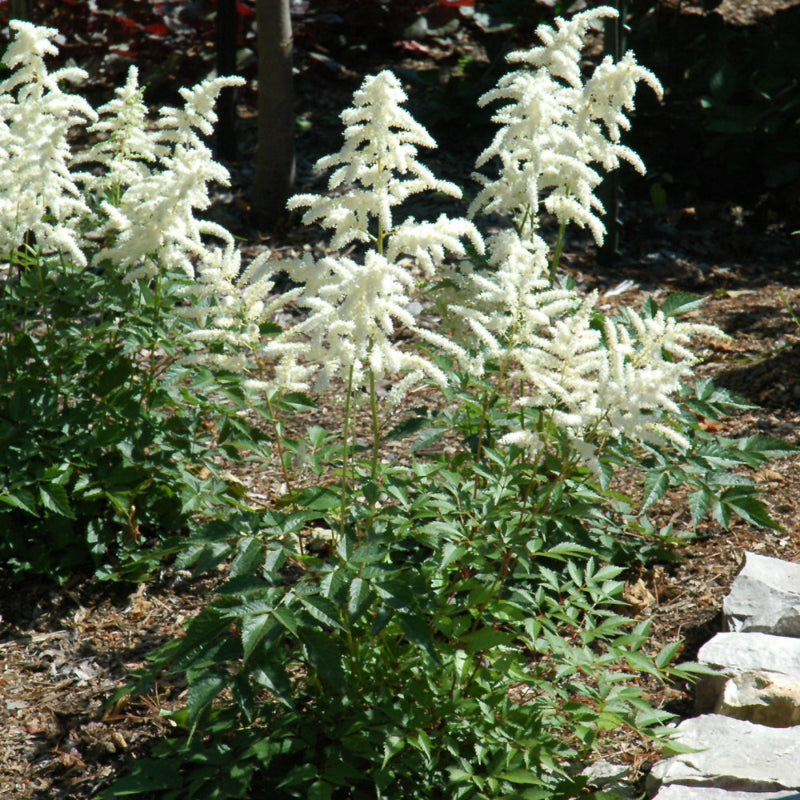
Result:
[
  {"x": 322, "y": 610},
  {"x": 752, "y": 510},
  {"x": 699, "y": 503},
  {"x": 681, "y": 303},
  {"x": 418, "y": 632},
  {"x": 409, "y": 426},
  {"x": 274, "y": 678},
  {"x": 325, "y": 655},
  {"x": 248, "y": 558},
  {"x": 202, "y": 692},
  {"x": 486, "y": 639},
  {"x": 656, "y": 483},
  {"x": 20, "y": 499},
  {"x": 521, "y": 776},
  {"x": 427, "y": 438},
  {"x": 359, "y": 599},
  {"x": 642, "y": 663},
  {"x": 667, "y": 654},
  {"x": 254, "y": 629},
  {"x": 287, "y": 618},
  {"x": 54, "y": 498}
]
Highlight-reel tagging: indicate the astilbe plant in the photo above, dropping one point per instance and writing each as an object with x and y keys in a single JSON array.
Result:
[
  {"x": 101, "y": 442},
  {"x": 459, "y": 634}
]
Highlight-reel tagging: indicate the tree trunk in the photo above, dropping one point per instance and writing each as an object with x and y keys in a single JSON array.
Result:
[
  {"x": 275, "y": 159},
  {"x": 227, "y": 45},
  {"x": 609, "y": 191},
  {"x": 20, "y": 9}
]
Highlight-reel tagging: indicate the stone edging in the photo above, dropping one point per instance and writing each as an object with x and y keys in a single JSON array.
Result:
[{"x": 746, "y": 737}]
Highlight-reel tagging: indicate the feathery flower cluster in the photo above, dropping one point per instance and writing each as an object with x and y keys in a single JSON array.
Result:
[
  {"x": 39, "y": 197},
  {"x": 555, "y": 128},
  {"x": 354, "y": 307},
  {"x": 125, "y": 149},
  {"x": 610, "y": 383},
  {"x": 152, "y": 226}
]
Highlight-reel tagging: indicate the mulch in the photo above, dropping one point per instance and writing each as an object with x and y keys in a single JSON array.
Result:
[{"x": 65, "y": 651}]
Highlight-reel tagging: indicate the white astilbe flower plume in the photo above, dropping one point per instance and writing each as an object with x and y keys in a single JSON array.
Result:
[
  {"x": 615, "y": 380},
  {"x": 356, "y": 307},
  {"x": 556, "y": 132},
  {"x": 512, "y": 303},
  {"x": 153, "y": 227},
  {"x": 126, "y": 149},
  {"x": 38, "y": 196},
  {"x": 377, "y": 167}
]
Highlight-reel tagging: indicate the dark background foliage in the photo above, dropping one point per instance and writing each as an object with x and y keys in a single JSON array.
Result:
[{"x": 728, "y": 126}]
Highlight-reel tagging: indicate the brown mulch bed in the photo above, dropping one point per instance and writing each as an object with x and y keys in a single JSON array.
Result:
[{"x": 63, "y": 652}]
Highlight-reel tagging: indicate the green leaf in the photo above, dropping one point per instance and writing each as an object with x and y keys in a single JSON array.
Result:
[
  {"x": 147, "y": 775},
  {"x": 656, "y": 483},
  {"x": 248, "y": 559},
  {"x": 421, "y": 417},
  {"x": 287, "y": 618},
  {"x": 667, "y": 654},
  {"x": 275, "y": 678},
  {"x": 201, "y": 693},
  {"x": 521, "y": 776},
  {"x": 752, "y": 510},
  {"x": 681, "y": 303},
  {"x": 322, "y": 609},
  {"x": 486, "y": 639},
  {"x": 359, "y": 599},
  {"x": 326, "y": 655},
  {"x": 699, "y": 503},
  {"x": 418, "y": 631},
  {"x": 20, "y": 499},
  {"x": 54, "y": 498},
  {"x": 254, "y": 629}
]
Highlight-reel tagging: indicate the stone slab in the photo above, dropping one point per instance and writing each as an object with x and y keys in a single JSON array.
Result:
[
  {"x": 675, "y": 792},
  {"x": 763, "y": 697},
  {"x": 765, "y": 597},
  {"x": 735, "y": 653},
  {"x": 732, "y": 754}
]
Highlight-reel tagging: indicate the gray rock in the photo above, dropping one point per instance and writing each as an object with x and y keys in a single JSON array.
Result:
[
  {"x": 675, "y": 792},
  {"x": 731, "y": 754},
  {"x": 765, "y": 597},
  {"x": 762, "y": 697},
  {"x": 735, "y": 653}
]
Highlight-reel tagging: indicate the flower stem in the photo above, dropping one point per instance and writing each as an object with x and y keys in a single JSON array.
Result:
[
  {"x": 556, "y": 259},
  {"x": 346, "y": 452},
  {"x": 376, "y": 428}
]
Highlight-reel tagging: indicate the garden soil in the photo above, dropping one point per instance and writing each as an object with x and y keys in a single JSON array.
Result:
[{"x": 64, "y": 651}]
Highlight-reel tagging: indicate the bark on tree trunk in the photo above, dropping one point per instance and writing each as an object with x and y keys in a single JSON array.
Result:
[
  {"x": 275, "y": 159},
  {"x": 227, "y": 45},
  {"x": 20, "y": 9}
]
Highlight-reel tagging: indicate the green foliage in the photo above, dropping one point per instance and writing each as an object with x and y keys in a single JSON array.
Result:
[
  {"x": 462, "y": 636},
  {"x": 106, "y": 446}
]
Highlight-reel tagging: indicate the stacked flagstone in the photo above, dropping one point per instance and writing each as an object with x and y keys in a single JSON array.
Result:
[{"x": 746, "y": 739}]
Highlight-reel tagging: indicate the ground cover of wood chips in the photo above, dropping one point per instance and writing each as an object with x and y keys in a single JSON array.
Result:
[{"x": 63, "y": 651}]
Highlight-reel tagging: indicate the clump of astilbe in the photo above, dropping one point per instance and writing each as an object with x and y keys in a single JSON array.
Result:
[
  {"x": 592, "y": 379},
  {"x": 556, "y": 131},
  {"x": 40, "y": 203},
  {"x": 599, "y": 383},
  {"x": 353, "y": 306},
  {"x": 152, "y": 228}
]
